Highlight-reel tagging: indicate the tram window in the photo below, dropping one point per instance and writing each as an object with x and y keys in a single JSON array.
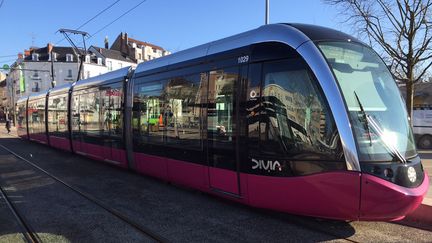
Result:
[
  {"x": 90, "y": 114},
  {"x": 221, "y": 117},
  {"x": 76, "y": 119},
  {"x": 21, "y": 116},
  {"x": 57, "y": 115},
  {"x": 37, "y": 116},
  {"x": 182, "y": 112},
  {"x": 149, "y": 122},
  {"x": 111, "y": 109},
  {"x": 253, "y": 106},
  {"x": 296, "y": 120}
]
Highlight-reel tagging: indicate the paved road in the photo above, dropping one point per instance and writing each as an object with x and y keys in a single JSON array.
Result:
[{"x": 179, "y": 214}]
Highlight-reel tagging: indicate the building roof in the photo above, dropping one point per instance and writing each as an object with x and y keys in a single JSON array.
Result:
[
  {"x": 113, "y": 54},
  {"x": 61, "y": 52},
  {"x": 130, "y": 40}
]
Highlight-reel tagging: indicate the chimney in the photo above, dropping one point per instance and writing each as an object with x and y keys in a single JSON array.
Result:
[
  {"x": 106, "y": 42},
  {"x": 20, "y": 56},
  {"x": 127, "y": 39},
  {"x": 121, "y": 42},
  {"x": 49, "y": 47}
]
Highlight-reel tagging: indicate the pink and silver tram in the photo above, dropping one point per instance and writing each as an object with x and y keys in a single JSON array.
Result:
[{"x": 290, "y": 117}]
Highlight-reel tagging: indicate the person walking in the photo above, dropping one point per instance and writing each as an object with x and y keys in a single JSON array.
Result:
[{"x": 8, "y": 125}]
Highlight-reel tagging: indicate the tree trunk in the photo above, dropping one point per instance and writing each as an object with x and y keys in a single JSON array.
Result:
[{"x": 409, "y": 98}]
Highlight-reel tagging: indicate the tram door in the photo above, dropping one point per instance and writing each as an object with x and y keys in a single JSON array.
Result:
[{"x": 222, "y": 130}]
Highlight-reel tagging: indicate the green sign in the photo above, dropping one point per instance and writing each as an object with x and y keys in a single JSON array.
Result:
[
  {"x": 5, "y": 67},
  {"x": 21, "y": 79}
]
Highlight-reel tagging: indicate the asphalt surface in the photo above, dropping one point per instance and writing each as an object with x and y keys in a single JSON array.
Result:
[{"x": 178, "y": 214}]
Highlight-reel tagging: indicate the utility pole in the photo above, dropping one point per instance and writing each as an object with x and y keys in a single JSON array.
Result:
[
  {"x": 267, "y": 9},
  {"x": 53, "y": 82}
]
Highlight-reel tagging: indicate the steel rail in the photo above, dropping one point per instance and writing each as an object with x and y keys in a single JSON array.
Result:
[
  {"x": 29, "y": 234},
  {"x": 137, "y": 226}
]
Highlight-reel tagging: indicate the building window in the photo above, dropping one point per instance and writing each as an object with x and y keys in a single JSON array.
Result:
[
  {"x": 35, "y": 57},
  {"x": 99, "y": 61},
  {"x": 36, "y": 87},
  {"x": 109, "y": 65},
  {"x": 139, "y": 56},
  {"x": 87, "y": 59},
  {"x": 148, "y": 57},
  {"x": 36, "y": 75},
  {"x": 154, "y": 50},
  {"x": 69, "y": 58},
  {"x": 69, "y": 73}
]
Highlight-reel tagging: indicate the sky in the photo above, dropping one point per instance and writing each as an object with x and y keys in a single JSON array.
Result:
[{"x": 173, "y": 25}]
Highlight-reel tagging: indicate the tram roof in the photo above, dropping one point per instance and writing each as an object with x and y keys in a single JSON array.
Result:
[
  {"x": 293, "y": 35},
  {"x": 109, "y": 77},
  {"x": 64, "y": 88},
  {"x": 40, "y": 95},
  {"x": 22, "y": 99}
]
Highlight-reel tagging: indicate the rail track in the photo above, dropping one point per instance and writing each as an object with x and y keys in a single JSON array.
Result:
[{"x": 32, "y": 237}]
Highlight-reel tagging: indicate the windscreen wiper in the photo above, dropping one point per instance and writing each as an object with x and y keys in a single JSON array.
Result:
[
  {"x": 369, "y": 120},
  {"x": 365, "y": 118}
]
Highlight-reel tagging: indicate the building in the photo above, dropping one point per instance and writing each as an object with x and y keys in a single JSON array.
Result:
[
  {"x": 32, "y": 73},
  {"x": 101, "y": 60},
  {"x": 137, "y": 50},
  {"x": 4, "y": 101}
]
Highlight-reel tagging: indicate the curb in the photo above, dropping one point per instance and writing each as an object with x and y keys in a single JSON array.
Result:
[{"x": 420, "y": 218}]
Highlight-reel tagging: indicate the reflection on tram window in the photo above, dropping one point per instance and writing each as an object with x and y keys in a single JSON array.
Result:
[
  {"x": 89, "y": 108},
  {"x": 57, "y": 115},
  {"x": 182, "y": 111},
  {"x": 294, "y": 119},
  {"x": 148, "y": 120},
  {"x": 111, "y": 110},
  {"x": 169, "y": 111},
  {"x": 21, "y": 116},
  {"x": 221, "y": 124},
  {"x": 36, "y": 116}
]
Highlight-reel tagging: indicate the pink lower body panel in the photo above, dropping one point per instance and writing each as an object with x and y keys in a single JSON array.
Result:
[
  {"x": 60, "y": 143},
  {"x": 328, "y": 195},
  {"x": 98, "y": 152},
  {"x": 224, "y": 180},
  {"x": 193, "y": 175},
  {"x": 383, "y": 200},
  {"x": 151, "y": 165},
  {"x": 188, "y": 174},
  {"x": 39, "y": 137}
]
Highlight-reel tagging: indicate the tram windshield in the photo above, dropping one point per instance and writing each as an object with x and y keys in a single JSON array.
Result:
[{"x": 372, "y": 96}]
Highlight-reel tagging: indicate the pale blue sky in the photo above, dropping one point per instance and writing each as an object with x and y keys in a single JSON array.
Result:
[{"x": 173, "y": 25}]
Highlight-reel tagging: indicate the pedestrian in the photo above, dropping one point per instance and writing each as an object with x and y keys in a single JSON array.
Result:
[{"x": 8, "y": 125}]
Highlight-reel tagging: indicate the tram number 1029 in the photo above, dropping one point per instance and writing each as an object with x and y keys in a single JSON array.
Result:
[{"x": 243, "y": 59}]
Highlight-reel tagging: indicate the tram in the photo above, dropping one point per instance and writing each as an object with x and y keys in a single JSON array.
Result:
[{"x": 290, "y": 117}]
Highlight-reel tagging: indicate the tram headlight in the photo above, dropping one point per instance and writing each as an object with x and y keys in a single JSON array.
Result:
[{"x": 412, "y": 174}]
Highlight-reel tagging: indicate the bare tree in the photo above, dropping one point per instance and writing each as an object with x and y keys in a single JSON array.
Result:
[{"x": 401, "y": 29}]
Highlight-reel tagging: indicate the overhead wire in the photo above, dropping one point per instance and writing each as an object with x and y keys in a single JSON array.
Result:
[
  {"x": 130, "y": 10},
  {"x": 91, "y": 19},
  {"x": 88, "y": 21}
]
